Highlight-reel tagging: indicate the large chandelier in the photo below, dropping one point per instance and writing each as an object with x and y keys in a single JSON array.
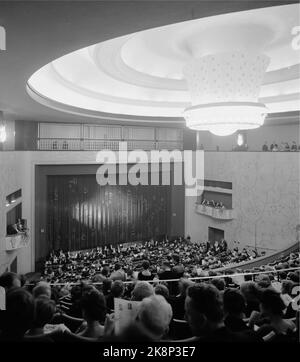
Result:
[{"x": 224, "y": 89}]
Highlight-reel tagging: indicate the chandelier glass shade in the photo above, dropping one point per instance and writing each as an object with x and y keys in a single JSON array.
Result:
[
  {"x": 224, "y": 90},
  {"x": 223, "y": 119}
]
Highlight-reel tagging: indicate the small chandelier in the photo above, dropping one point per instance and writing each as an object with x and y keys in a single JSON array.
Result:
[{"x": 224, "y": 91}]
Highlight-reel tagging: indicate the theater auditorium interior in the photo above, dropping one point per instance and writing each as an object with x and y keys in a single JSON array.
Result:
[{"x": 149, "y": 155}]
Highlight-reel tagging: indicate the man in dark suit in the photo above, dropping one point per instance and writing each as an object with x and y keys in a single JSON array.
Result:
[{"x": 168, "y": 274}]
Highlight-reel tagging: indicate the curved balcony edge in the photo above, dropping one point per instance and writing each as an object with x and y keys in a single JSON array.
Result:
[{"x": 16, "y": 241}]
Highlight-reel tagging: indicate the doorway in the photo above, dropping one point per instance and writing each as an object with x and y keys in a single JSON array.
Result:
[{"x": 215, "y": 234}]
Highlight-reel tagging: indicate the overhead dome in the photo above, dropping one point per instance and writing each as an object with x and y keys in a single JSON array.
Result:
[{"x": 142, "y": 74}]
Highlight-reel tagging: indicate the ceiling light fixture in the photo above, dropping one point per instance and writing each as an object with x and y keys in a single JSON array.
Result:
[{"x": 224, "y": 89}]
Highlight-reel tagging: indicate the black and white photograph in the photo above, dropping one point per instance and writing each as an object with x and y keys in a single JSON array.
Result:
[{"x": 149, "y": 178}]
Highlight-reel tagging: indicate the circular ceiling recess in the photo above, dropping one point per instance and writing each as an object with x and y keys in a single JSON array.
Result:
[{"x": 142, "y": 74}]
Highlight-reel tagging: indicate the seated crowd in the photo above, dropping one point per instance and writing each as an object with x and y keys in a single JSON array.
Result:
[
  {"x": 283, "y": 147},
  {"x": 96, "y": 264},
  {"x": 213, "y": 203},
  {"x": 220, "y": 308}
]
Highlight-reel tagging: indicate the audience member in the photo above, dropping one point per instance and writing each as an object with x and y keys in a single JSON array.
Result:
[
  {"x": 44, "y": 310},
  {"x": 19, "y": 314},
  {"x": 272, "y": 306},
  {"x": 234, "y": 307},
  {"x": 204, "y": 313},
  {"x": 145, "y": 274},
  {"x": 155, "y": 315},
  {"x": 42, "y": 288},
  {"x": 163, "y": 290},
  {"x": 93, "y": 307},
  {"x": 9, "y": 280},
  {"x": 117, "y": 291},
  {"x": 142, "y": 290}
]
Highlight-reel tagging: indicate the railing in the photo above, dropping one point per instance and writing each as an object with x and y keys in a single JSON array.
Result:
[
  {"x": 75, "y": 144},
  {"x": 16, "y": 241},
  {"x": 59, "y": 144},
  {"x": 235, "y": 275},
  {"x": 216, "y": 213},
  {"x": 257, "y": 262}
]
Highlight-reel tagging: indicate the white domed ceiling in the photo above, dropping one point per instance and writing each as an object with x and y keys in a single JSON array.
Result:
[{"x": 141, "y": 74}]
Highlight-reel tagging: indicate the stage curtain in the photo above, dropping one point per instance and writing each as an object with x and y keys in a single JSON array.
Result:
[{"x": 82, "y": 215}]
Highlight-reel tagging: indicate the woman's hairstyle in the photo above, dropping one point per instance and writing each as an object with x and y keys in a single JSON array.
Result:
[
  {"x": 7, "y": 279},
  {"x": 94, "y": 305},
  {"x": 272, "y": 301},
  {"x": 287, "y": 286},
  {"x": 234, "y": 302},
  {"x": 146, "y": 264},
  {"x": 44, "y": 309}
]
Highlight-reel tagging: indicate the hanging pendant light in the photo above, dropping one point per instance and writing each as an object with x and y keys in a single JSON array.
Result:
[{"x": 224, "y": 90}]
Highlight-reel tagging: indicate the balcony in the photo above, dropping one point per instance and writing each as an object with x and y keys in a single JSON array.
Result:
[
  {"x": 16, "y": 241},
  {"x": 215, "y": 213}
]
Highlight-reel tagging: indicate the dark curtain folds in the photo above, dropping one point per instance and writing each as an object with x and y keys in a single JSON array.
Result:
[{"x": 83, "y": 215}]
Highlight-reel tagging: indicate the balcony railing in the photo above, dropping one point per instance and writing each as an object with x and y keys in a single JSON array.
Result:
[
  {"x": 71, "y": 144},
  {"x": 215, "y": 213},
  {"x": 16, "y": 241}
]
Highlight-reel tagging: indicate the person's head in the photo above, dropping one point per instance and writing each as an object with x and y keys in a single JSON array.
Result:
[
  {"x": 271, "y": 303},
  {"x": 219, "y": 283},
  {"x": 234, "y": 302},
  {"x": 263, "y": 281},
  {"x": 287, "y": 286},
  {"x": 117, "y": 266},
  {"x": 146, "y": 265},
  {"x": 23, "y": 280},
  {"x": 203, "y": 308},
  {"x": 249, "y": 291},
  {"x": 19, "y": 313},
  {"x": 105, "y": 271},
  {"x": 44, "y": 309},
  {"x": 93, "y": 306},
  {"x": 155, "y": 315},
  {"x": 163, "y": 290},
  {"x": 9, "y": 280},
  {"x": 106, "y": 286},
  {"x": 183, "y": 284},
  {"x": 247, "y": 277},
  {"x": 176, "y": 258},
  {"x": 166, "y": 265},
  {"x": 294, "y": 277},
  {"x": 42, "y": 288},
  {"x": 75, "y": 293},
  {"x": 117, "y": 288},
  {"x": 141, "y": 290}
]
